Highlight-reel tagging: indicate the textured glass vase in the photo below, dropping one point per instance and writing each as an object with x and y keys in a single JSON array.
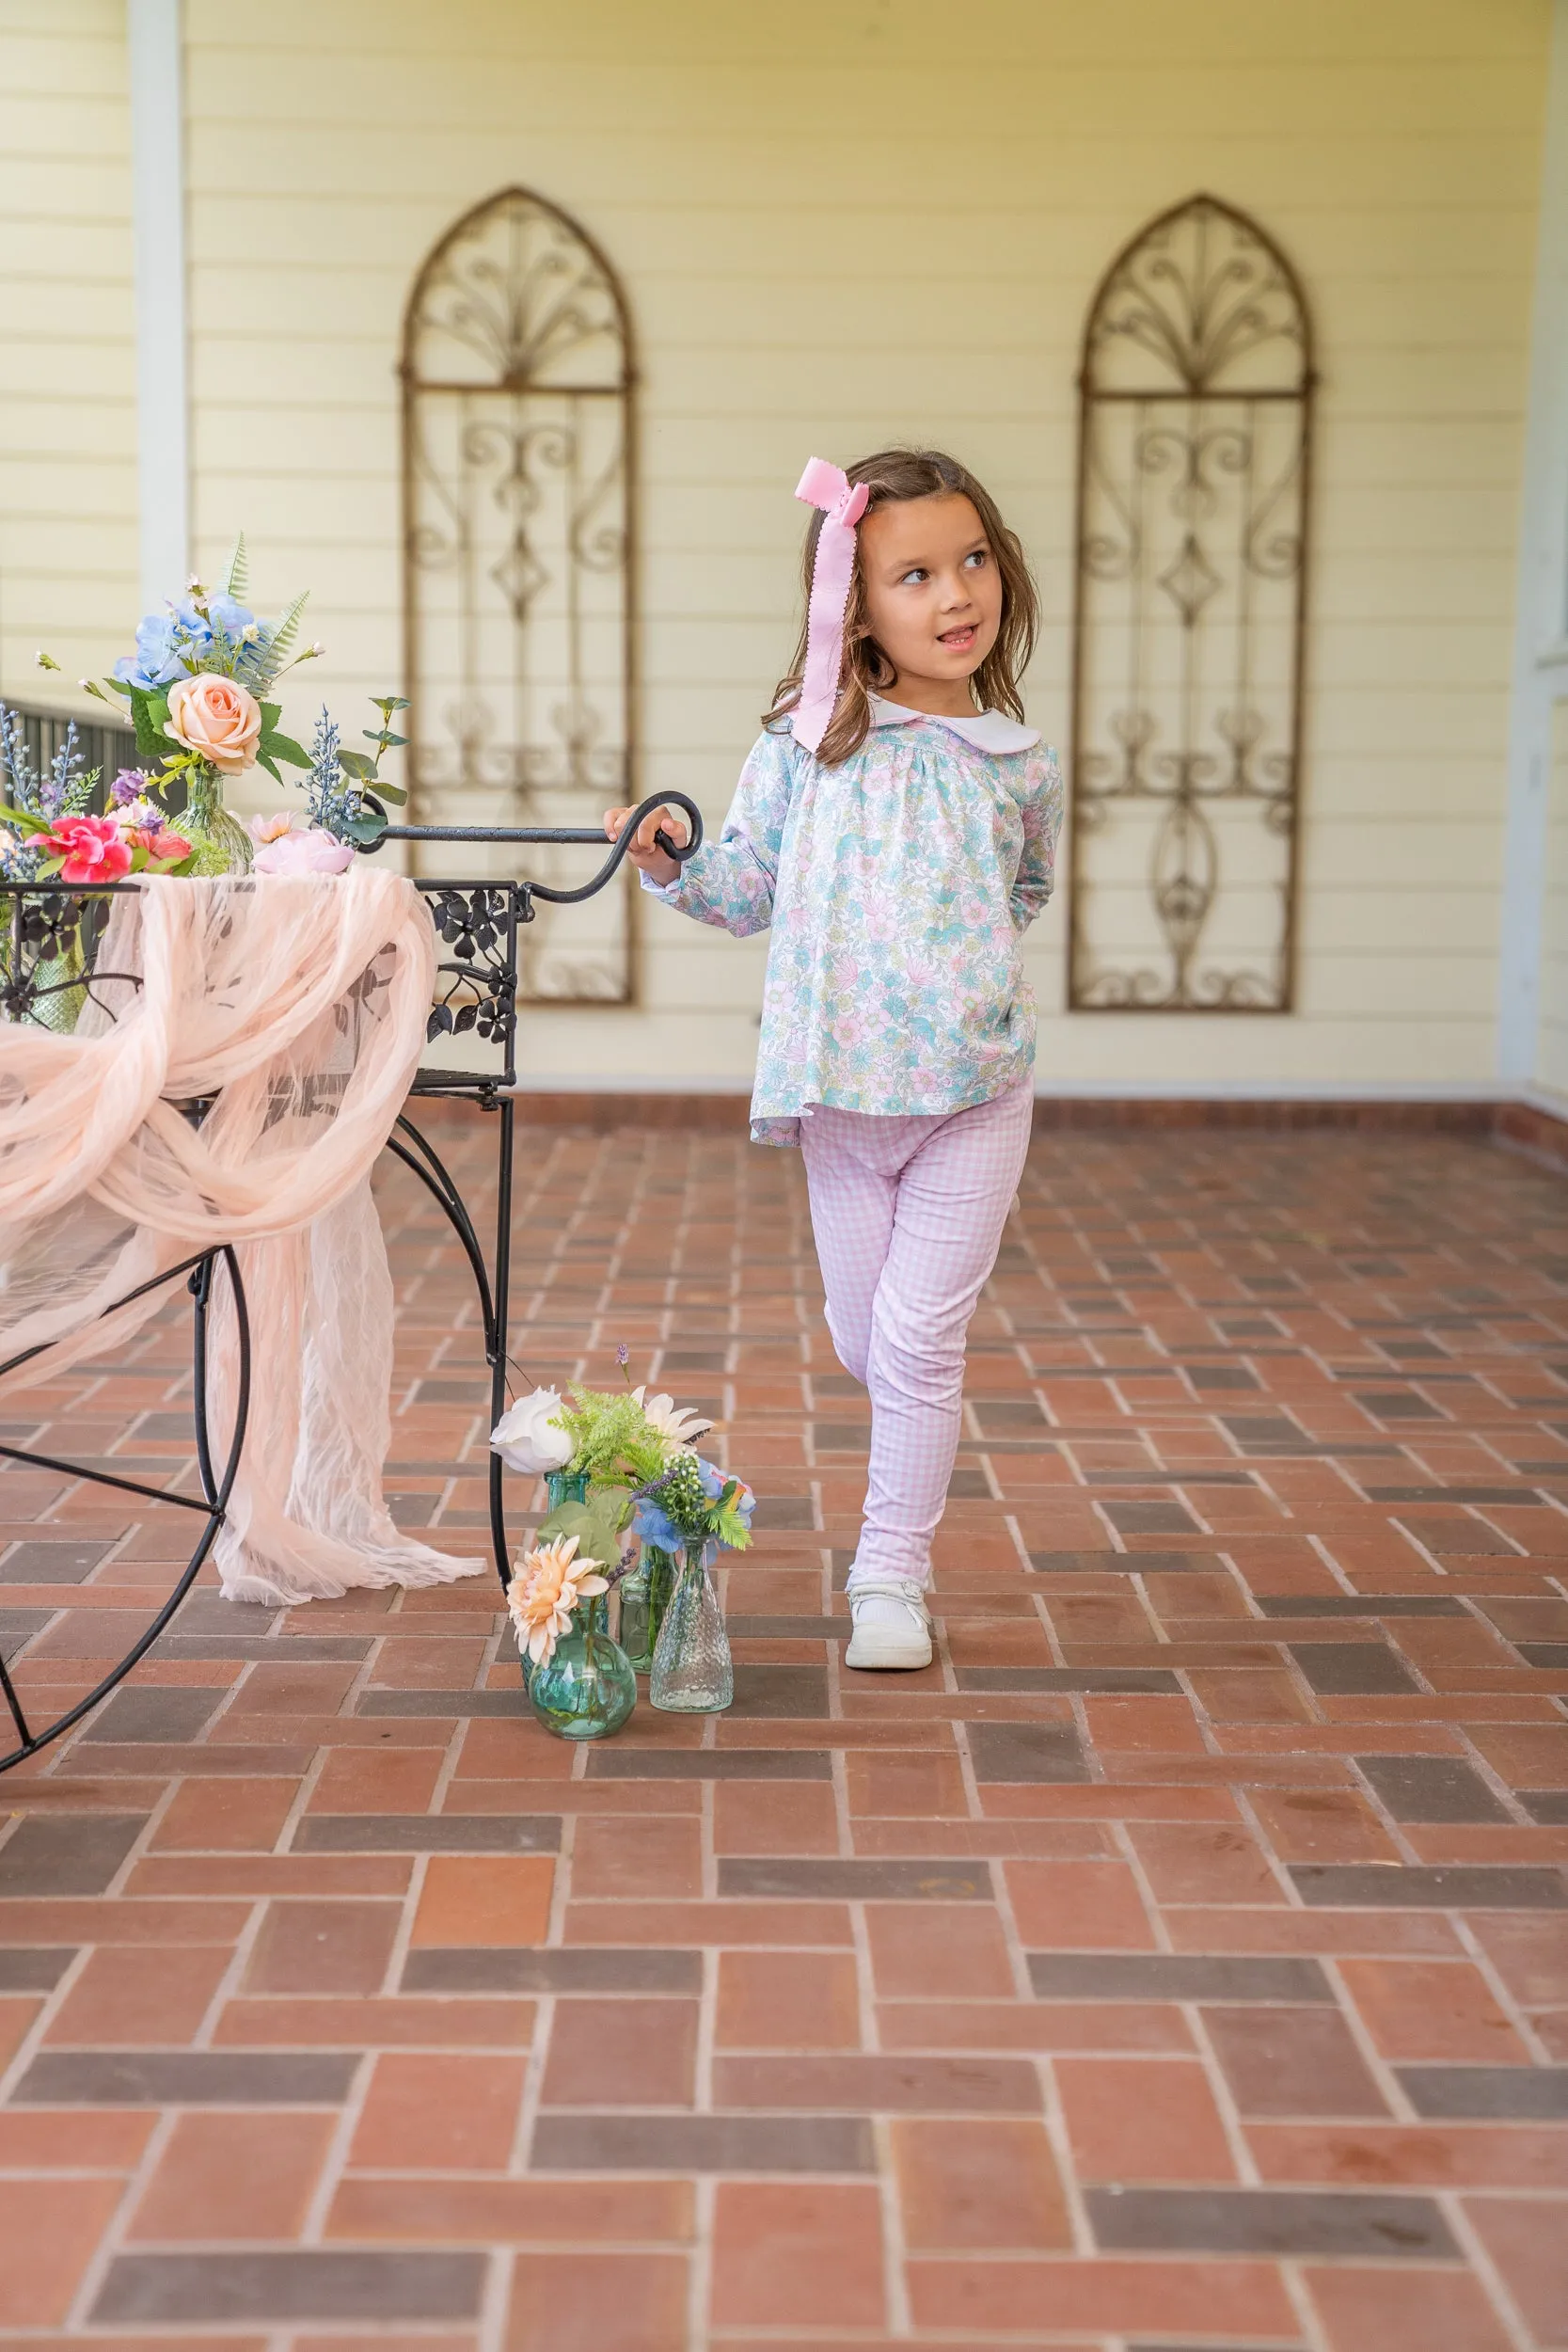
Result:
[
  {"x": 693, "y": 1674},
  {"x": 644, "y": 1597},
  {"x": 586, "y": 1689},
  {"x": 221, "y": 843}
]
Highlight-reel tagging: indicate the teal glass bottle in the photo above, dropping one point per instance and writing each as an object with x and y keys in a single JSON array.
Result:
[{"x": 585, "y": 1690}]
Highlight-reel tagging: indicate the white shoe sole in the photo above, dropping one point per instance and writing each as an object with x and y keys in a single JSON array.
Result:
[{"x": 881, "y": 1647}]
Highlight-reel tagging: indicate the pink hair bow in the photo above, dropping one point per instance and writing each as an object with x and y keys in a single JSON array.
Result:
[{"x": 843, "y": 504}]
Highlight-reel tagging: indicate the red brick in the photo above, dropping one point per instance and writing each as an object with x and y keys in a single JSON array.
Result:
[
  {"x": 1529, "y": 1951},
  {"x": 143, "y": 1996},
  {"x": 234, "y": 2176},
  {"x": 323, "y": 1948},
  {"x": 226, "y": 1816},
  {"x": 1142, "y": 2119},
  {"x": 1418, "y": 2155},
  {"x": 797, "y": 2254},
  {"x": 967, "y": 2184},
  {"x": 622, "y": 2052},
  {"x": 370, "y": 1780},
  {"x": 923, "y": 1949},
  {"x": 760, "y": 1817},
  {"x": 519, "y": 2213},
  {"x": 621, "y": 1855},
  {"x": 1441, "y": 2011},
  {"x": 49, "y": 2231},
  {"x": 73, "y": 2140},
  {"x": 439, "y": 2114},
  {"x": 608, "y": 2303},
  {"x": 1403, "y": 2309},
  {"x": 1527, "y": 2240},
  {"x": 925, "y": 1786},
  {"x": 490, "y": 1899},
  {"x": 1323, "y": 1825},
  {"x": 1190, "y": 1863},
  {"x": 1243, "y": 2299},
  {"x": 787, "y": 2001},
  {"x": 1078, "y": 1906}
]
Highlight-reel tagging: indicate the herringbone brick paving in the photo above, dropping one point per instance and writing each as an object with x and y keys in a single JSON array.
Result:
[{"x": 1181, "y": 1960}]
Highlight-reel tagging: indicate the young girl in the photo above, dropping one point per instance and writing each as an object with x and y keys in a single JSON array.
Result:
[{"x": 895, "y": 823}]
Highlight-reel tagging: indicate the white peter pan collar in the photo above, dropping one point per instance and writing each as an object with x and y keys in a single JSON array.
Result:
[{"x": 987, "y": 730}]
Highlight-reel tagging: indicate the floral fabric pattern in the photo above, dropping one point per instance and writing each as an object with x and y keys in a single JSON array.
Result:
[{"x": 898, "y": 886}]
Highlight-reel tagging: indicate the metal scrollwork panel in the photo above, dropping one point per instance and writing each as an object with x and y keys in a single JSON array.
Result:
[
  {"x": 517, "y": 484},
  {"x": 1193, "y": 502}
]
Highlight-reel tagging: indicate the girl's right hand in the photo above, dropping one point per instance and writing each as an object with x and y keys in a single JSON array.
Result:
[{"x": 645, "y": 851}]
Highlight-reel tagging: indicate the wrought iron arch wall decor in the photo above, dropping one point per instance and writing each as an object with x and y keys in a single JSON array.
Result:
[
  {"x": 517, "y": 472},
  {"x": 1192, "y": 473}
]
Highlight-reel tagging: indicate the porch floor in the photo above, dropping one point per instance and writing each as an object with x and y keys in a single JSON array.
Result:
[{"x": 1181, "y": 1960}]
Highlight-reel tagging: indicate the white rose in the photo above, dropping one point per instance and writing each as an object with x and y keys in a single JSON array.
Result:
[{"x": 525, "y": 1439}]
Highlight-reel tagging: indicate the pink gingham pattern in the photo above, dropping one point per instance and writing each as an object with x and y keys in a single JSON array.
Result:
[{"x": 908, "y": 1215}]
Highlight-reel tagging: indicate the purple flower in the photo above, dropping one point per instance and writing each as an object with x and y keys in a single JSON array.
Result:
[
  {"x": 130, "y": 785},
  {"x": 623, "y": 1355}
]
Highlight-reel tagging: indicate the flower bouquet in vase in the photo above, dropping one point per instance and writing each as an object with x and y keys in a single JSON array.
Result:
[{"x": 694, "y": 1509}]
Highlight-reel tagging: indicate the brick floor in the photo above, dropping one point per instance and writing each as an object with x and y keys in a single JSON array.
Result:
[{"x": 1181, "y": 1961}]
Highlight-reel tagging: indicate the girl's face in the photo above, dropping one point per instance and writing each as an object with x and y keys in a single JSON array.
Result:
[{"x": 932, "y": 592}]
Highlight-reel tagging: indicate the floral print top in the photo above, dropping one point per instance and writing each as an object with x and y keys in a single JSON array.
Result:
[{"x": 898, "y": 886}]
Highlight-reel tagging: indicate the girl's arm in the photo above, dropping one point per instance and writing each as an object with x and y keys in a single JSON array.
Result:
[
  {"x": 730, "y": 882},
  {"x": 1042, "y": 823}
]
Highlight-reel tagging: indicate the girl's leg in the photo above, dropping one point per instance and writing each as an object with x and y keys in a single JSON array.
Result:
[
  {"x": 953, "y": 1197},
  {"x": 852, "y": 1178}
]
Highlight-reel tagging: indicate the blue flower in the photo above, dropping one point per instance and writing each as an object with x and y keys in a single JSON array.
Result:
[
  {"x": 714, "y": 1482},
  {"x": 653, "y": 1526},
  {"x": 172, "y": 643}
]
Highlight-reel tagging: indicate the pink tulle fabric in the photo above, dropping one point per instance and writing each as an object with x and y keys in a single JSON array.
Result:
[{"x": 296, "y": 1006}]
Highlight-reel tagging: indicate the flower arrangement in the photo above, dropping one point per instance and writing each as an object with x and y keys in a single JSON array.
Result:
[
  {"x": 636, "y": 1455},
  {"x": 552, "y": 1580},
  {"x": 199, "y": 686},
  {"x": 47, "y": 834}
]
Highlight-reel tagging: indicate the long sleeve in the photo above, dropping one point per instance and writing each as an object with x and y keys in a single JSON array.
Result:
[
  {"x": 1042, "y": 821},
  {"x": 730, "y": 882}
]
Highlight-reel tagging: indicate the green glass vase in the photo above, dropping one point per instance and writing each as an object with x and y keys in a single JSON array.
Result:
[
  {"x": 221, "y": 843},
  {"x": 586, "y": 1689},
  {"x": 644, "y": 1597}
]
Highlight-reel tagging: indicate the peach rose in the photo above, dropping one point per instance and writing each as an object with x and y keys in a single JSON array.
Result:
[{"x": 218, "y": 720}]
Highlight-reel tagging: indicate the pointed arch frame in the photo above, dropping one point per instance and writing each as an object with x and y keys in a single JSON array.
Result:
[
  {"x": 1199, "y": 357},
  {"x": 584, "y": 363}
]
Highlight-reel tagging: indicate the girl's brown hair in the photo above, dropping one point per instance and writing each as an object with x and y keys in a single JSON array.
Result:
[{"x": 891, "y": 475}]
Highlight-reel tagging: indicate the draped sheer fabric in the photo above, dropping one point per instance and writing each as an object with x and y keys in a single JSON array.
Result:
[{"x": 295, "y": 1008}]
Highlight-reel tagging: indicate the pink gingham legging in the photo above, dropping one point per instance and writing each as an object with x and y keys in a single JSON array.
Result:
[{"x": 908, "y": 1216}]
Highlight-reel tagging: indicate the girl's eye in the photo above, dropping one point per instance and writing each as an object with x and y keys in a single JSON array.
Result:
[
  {"x": 913, "y": 578},
  {"x": 977, "y": 559}
]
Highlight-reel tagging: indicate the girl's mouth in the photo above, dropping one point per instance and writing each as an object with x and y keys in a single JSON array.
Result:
[{"x": 957, "y": 640}]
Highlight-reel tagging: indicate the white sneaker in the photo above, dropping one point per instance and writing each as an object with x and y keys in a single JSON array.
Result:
[{"x": 893, "y": 1626}]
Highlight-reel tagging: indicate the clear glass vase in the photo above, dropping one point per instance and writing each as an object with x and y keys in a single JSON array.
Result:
[
  {"x": 692, "y": 1672},
  {"x": 644, "y": 1597},
  {"x": 593, "y": 1613},
  {"x": 221, "y": 843},
  {"x": 585, "y": 1690}
]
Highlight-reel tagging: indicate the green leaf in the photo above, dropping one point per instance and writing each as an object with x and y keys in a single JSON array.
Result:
[
  {"x": 366, "y": 827},
  {"x": 597, "y": 1538},
  {"x": 270, "y": 713},
  {"x": 384, "y": 791},
  {"x": 282, "y": 637},
  {"x": 238, "y": 582},
  {"x": 355, "y": 764},
  {"x": 284, "y": 747},
  {"x": 120, "y": 686},
  {"x": 264, "y": 759},
  {"x": 24, "y": 818},
  {"x": 148, "y": 712},
  {"x": 389, "y": 702}
]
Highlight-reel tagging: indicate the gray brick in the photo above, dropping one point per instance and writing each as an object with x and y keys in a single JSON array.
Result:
[
  {"x": 1151, "y": 1519},
  {"x": 583, "y": 1968},
  {"x": 1360, "y": 1605},
  {"x": 1174, "y": 1976},
  {"x": 1432, "y": 1789},
  {"x": 1352, "y": 1669},
  {"x": 1281, "y": 2221},
  {"x": 43, "y": 1560},
  {"x": 428, "y": 1832},
  {"x": 1027, "y": 1752},
  {"x": 38, "y": 1970},
  {"x": 1123, "y": 1563},
  {"x": 75, "y": 1853},
  {"x": 799, "y": 1693},
  {"x": 703, "y": 2143},
  {"x": 625, "y": 1761},
  {"x": 310, "y": 2284},
  {"x": 1469, "y": 2093},
  {"x": 1105, "y": 1679},
  {"x": 825, "y": 1878},
  {"x": 1389, "y": 1886},
  {"x": 159, "y": 1713},
  {"x": 187, "y": 2078}
]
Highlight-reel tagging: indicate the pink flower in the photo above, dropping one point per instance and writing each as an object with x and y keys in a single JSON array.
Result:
[
  {"x": 161, "y": 848},
  {"x": 218, "y": 720},
  {"x": 93, "y": 848},
  {"x": 272, "y": 827},
  {"x": 309, "y": 852}
]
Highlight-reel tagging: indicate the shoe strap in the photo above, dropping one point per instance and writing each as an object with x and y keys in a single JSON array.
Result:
[{"x": 889, "y": 1588}]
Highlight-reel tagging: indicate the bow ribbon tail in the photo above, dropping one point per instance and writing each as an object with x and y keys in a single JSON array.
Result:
[{"x": 829, "y": 487}]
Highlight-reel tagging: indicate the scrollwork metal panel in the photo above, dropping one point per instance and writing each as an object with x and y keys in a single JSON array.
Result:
[
  {"x": 517, "y": 485},
  {"x": 1194, "y": 441}
]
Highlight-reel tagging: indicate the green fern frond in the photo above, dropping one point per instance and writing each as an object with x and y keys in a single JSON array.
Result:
[
  {"x": 238, "y": 583},
  {"x": 278, "y": 643}
]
